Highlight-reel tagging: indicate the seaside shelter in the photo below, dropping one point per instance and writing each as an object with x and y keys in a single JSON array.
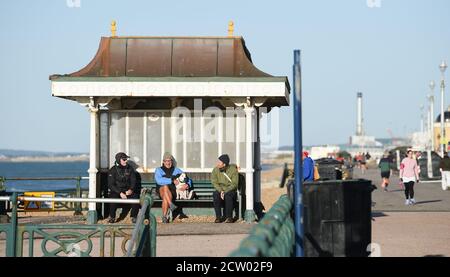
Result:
[{"x": 195, "y": 97}]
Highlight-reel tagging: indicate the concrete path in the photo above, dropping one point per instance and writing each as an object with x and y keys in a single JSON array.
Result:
[{"x": 410, "y": 231}]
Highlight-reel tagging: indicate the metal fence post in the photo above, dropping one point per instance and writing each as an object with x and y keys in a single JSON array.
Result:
[
  {"x": 11, "y": 241},
  {"x": 78, "y": 193}
]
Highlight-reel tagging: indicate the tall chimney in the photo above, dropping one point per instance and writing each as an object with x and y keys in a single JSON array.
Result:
[{"x": 359, "y": 116}]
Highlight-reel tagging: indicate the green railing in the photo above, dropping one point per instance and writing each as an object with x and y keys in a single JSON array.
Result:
[
  {"x": 58, "y": 205},
  {"x": 273, "y": 236},
  {"x": 81, "y": 239}
]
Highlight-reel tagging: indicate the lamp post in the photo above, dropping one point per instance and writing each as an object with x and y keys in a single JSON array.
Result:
[
  {"x": 442, "y": 67},
  {"x": 431, "y": 98}
]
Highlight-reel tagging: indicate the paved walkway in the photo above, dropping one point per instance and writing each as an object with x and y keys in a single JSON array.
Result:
[{"x": 410, "y": 231}]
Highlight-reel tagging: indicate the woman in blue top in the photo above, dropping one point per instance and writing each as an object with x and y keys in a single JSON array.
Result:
[{"x": 166, "y": 180}]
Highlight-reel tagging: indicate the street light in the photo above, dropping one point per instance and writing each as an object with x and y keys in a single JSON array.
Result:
[
  {"x": 432, "y": 86},
  {"x": 442, "y": 67}
]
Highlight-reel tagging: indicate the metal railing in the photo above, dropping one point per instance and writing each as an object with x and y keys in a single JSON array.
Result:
[
  {"x": 78, "y": 192},
  {"x": 273, "y": 236},
  {"x": 67, "y": 242}
]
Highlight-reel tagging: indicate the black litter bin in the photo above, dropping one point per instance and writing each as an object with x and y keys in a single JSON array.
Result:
[
  {"x": 337, "y": 218},
  {"x": 423, "y": 165},
  {"x": 329, "y": 169},
  {"x": 2, "y": 203}
]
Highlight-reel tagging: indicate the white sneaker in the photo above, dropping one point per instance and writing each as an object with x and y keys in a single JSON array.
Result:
[
  {"x": 407, "y": 202},
  {"x": 412, "y": 201}
]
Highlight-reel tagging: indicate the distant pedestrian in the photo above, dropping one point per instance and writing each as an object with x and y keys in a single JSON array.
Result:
[
  {"x": 444, "y": 166},
  {"x": 409, "y": 174},
  {"x": 363, "y": 163},
  {"x": 385, "y": 168},
  {"x": 308, "y": 167}
]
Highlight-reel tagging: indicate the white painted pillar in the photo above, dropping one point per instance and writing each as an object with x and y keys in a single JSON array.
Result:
[
  {"x": 249, "y": 119},
  {"x": 93, "y": 153}
]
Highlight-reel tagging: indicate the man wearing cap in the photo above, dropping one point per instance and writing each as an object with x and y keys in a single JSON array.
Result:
[
  {"x": 225, "y": 180},
  {"x": 122, "y": 184},
  {"x": 166, "y": 180},
  {"x": 308, "y": 167}
]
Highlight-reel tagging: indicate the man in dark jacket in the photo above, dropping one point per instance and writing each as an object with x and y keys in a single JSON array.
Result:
[{"x": 122, "y": 184}]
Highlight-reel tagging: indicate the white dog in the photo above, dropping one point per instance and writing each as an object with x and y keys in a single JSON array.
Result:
[{"x": 183, "y": 194}]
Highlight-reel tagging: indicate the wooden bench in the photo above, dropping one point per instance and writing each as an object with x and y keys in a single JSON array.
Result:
[{"x": 203, "y": 196}]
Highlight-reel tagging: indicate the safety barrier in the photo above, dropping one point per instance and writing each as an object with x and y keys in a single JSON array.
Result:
[
  {"x": 81, "y": 239},
  {"x": 273, "y": 236}
]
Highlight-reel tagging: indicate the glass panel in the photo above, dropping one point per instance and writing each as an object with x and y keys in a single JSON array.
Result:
[
  {"x": 241, "y": 139},
  {"x": 136, "y": 137},
  {"x": 211, "y": 137},
  {"x": 117, "y": 135},
  {"x": 104, "y": 141},
  {"x": 193, "y": 143},
  {"x": 229, "y": 138},
  {"x": 154, "y": 121},
  {"x": 179, "y": 138},
  {"x": 167, "y": 135}
]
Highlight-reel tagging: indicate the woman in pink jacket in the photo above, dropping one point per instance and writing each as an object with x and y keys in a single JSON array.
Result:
[{"x": 409, "y": 174}]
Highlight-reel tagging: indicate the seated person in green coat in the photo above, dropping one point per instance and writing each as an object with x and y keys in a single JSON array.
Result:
[{"x": 225, "y": 180}]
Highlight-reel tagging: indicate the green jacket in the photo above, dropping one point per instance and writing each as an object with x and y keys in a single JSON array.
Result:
[{"x": 221, "y": 182}]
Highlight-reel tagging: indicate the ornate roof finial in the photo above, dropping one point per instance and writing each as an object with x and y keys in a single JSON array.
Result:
[
  {"x": 113, "y": 28},
  {"x": 230, "y": 28}
]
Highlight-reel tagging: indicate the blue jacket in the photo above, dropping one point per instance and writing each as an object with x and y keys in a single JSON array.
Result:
[
  {"x": 308, "y": 169},
  {"x": 164, "y": 181}
]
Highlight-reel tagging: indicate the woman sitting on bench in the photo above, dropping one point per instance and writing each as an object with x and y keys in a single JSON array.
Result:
[{"x": 166, "y": 180}]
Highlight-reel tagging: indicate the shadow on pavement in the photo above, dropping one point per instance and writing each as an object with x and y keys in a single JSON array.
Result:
[
  {"x": 378, "y": 214},
  {"x": 428, "y": 201}
]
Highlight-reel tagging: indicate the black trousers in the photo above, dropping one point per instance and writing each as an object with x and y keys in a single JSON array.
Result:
[
  {"x": 125, "y": 207},
  {"x": 409, "y": 190},
  {"x": 227, "y": 204}
]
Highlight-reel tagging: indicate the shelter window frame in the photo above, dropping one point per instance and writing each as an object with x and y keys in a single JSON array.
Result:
[{"x": 236, "y": 152}]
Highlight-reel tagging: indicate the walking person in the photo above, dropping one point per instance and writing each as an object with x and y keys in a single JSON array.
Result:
[
  {"x": 363, "y": 163},
  {"x": 385, "y": 168},
  {"x": 444, "y": 166},
  {"x": 409, "y": 174},
  {"x": 308, "y": 167}
]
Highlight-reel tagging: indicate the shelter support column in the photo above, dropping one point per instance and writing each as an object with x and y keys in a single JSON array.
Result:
[
  {"x": 258, "y": 208},
  {"x": 93, "y": 154},
  {"x": 249, "y": 173}
]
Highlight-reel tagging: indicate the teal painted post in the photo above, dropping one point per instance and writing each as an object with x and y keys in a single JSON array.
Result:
[
  {"x": 78, "y": 193},
  {"x": 11, "y": 240},
  {"x": 152, "y": 235}
]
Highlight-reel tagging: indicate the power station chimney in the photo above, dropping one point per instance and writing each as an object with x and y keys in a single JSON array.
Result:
[{"x": 359, "y": 115}]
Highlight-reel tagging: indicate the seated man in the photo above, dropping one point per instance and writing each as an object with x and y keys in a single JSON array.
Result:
[
  {"x": 225, "y": 180},
  {"x": 122, "y": 184},
  {"x": 166, "y": 178}
]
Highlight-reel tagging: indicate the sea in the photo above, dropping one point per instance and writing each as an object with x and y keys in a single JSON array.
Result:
[
  {"x": 49, "y": 169},
  {"x": 43, "y": 169}
]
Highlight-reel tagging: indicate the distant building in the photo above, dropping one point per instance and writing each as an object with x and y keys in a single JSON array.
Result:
[{"x": 437, "y": 130}]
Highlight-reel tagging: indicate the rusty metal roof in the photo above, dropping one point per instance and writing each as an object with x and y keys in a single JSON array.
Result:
[{"x": 170, "y": 57}]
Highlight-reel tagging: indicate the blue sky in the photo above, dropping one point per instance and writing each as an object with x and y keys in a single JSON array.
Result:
[{"x": 389, "y": 53}]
